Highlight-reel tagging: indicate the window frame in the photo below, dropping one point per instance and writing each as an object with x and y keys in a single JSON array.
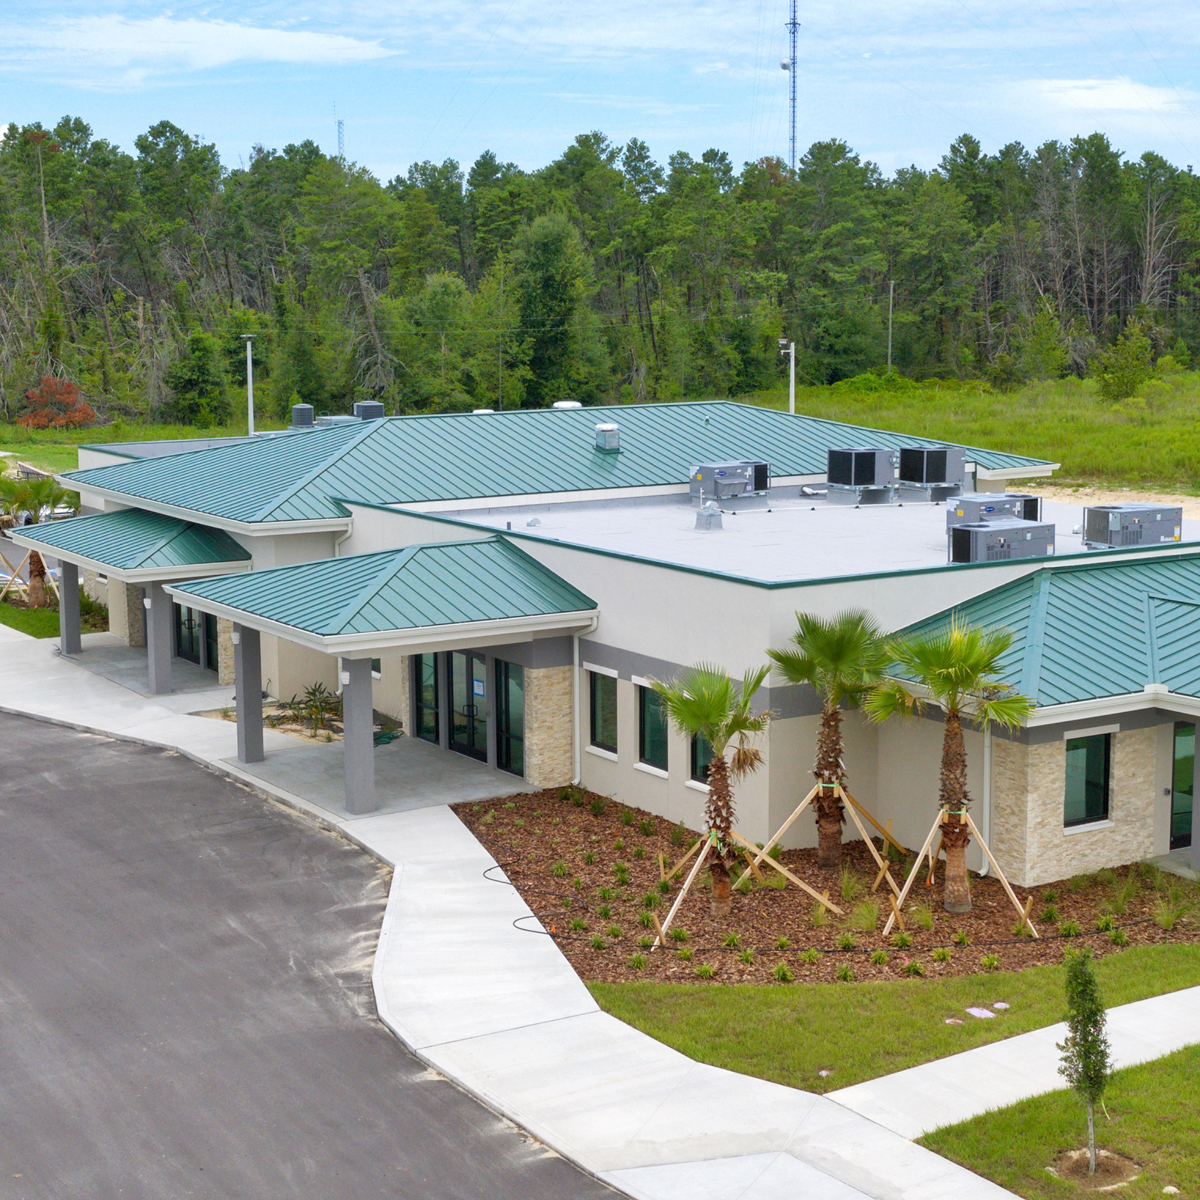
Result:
[
  {"x": 699, "y": 774},
  {"x": 1090, "y": 818},
  {"x": 596, "y": 679},
  {"x": 646, "y": 694}
]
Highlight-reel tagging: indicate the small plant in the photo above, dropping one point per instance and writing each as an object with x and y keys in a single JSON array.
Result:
[
  {"x": 572, "y": 794},
  {"x": 1119, "y": 937},
  {"x": 1152, "y": 875},
  {"x": 621, "y": 872},
  {"x": 1049, "y": 915},
  {"x": 1123, "y": 893},
  {"x": 845, "y": 974},
  {"x": 589, "y": 858},
  {"x": 650, "y": 900},
  {"x": 639, "y": 851},
  {"x": 519, "y": 822},
  {"x": 1167, "y": 914},
  {"x": 645, "y": 920},
  {"x": 598, "y": 943},
  {"x": 782, "y": 974},
  {"x": 509, "y": 804},
  {"x": 614, "y": 931},
  {"x": 646, "y": 828},
  {"x": 619, "y": 845},
  {"x": 811, "y": 956},
  {"x": 747, "y": 956},
  {"x": 559, "y": 870},
  {"x": 1079, "y": 883},
  {"x": 605, "y": 893},
  {"x": 1021, "y": 929},
  {"x": 913, "y": 969},
  {"x": 677, "y": 836},
  {"x": 664, "y": 887},
  {"x": 626, "y": 816},
  {"x": 743, "y": 884},
  {"x": 1086, "y": 1061},
  {"x": 989, "y": 962},
  {"x": 1107, "y": 877},
  {"x": 820, "y": 914},
  {"x": 846, "y": 941},
  {"x": 597, "y": 806},
  {"x": 678, "y": 934},
  {"x": 645, "y": 942},
  {"x": 704, "y": 971},
  {"x": 864, "y": 916},
  {"x": 901, "y": 940},
  {"x": 577, "y": 883},
  {"x": 850, "y": 885},
  {"x": 941, "y": 954},
  {"x": 684, "y": 955},
  {"x": 730, "y": 941},
  {"x": 605, "y": 912},
  {"x": 578, "y": 925},
  {"x": 922, "y": 914},
  {"x": 879, "y": 958},
  {"x": 637, "y": 962},
  {"x": 781, "y": 943},
  {"x": 960, "y": 938},
  {"x": 488, "y": 817},
  {"x": 1106, "y": 924},
  {"x": 1069, "y": 929},
  {"x": 1050, "y": 895}
]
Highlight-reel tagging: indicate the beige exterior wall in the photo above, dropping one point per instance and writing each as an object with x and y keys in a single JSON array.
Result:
[
  {"x": 391, "y": 690},
  {"x": 126, "y": 612},
  {"x": 94, "y": 588}
]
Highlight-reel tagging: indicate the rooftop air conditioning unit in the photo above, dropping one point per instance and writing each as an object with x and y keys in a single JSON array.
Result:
[
  {"x": 1110, "y": 525},
  {"x": 861, "y": 476},
  {"x": 997, "y": 541},
  {"x": 729, "y": 480},
  {"x": 932, "y": 473},
  {"x": 368, "y": 410},
  {"x": 302, "y": 416},
  {"x": 992, "y": 506},
  {"x": 336, "y": 419}
]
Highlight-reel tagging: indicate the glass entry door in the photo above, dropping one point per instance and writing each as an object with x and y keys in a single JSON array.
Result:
[
  {"x": 1183, "y": 782},
  {"x": 510, "y": 717},
  {"x": 196, "y": 636},
  {"x": 425, "y": 715},
  {"x": 468, "y": 704}
]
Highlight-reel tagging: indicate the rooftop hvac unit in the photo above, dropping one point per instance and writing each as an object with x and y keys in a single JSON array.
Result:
[
  {"x": 861, "y": 476},
  {"x": 302, "y": 416},
  {"x": 336, "y": 419},
  {"x": 729, "y": 480},
  {"x": 1109, "y": 525},
  {"x": 997, "y": 541},
  {"x": 992, "y": 506},
  {"x": 932, "y": 473},
  {"x": 368, "y": 410}
]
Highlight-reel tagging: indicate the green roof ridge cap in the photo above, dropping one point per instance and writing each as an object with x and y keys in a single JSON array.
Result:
[
  {"x": 526, "y": 557},
  {"x": 397, "y": 560},
  {"x": 181, "y": 527},
  {"x": 1031, "y": 676},
  {"x": 342, "y": 449}
]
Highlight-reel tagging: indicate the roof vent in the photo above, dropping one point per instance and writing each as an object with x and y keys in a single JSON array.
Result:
[
  {"x": 608, "y": 437},
  {"x": 709, "y": 516},
  {"x": 566, "y": 404},
  {"x": 368, "y": 410},
  {"x": 483, "y": 410},
  {"x": 302, "y": 416},
  {"x": 336, "y": 419}
]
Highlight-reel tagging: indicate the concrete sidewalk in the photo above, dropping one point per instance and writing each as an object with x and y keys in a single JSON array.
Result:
[{"x": 467, "y": 979}]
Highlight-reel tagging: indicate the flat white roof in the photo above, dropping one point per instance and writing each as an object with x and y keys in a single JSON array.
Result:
[{"x": 785, "y": 537}]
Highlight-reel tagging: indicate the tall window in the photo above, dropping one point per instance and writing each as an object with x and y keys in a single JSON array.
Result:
[
  {"x": 701, "y": 757},
  {"x": 510, "y": 717},
  {"x": 652, "y": 729},
  {"x": 604, "y": 711},
  {"x": 425, "y": 695},
  {"x": 1087, "y": 779}
]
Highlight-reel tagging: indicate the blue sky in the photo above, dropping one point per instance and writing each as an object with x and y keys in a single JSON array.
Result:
[{"x": 898, "y": 80}]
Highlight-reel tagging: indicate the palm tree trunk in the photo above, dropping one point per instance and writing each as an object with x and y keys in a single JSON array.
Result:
[
  {"x": 720, "y": 822},
  {"x": 37, "y": 580},
  {"x": 954, "y": 800},
  {"x": 828, "y": 804}
]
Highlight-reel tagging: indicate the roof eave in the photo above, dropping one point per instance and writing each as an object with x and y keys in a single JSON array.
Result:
[
  {"x": 1025, "y": 471},
  {"x": 1152, "y": 696}
]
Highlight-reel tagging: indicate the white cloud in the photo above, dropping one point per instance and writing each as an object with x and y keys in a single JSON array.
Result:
[
  {"x": 1120, "y": 95},
  {"x": 115, "y": 48}
]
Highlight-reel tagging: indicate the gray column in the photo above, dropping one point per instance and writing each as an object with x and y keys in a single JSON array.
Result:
[
  {"x": 247, "y": 683},
  {"x": 1195, "y": 831},
  {"x": 358, "y": 712},
  {"x": 159, "y": 633},
  {"x": 68, "y": 608}
]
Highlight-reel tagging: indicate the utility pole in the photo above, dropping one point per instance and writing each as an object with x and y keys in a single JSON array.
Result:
[
  {"x": 891, "y": 301},
  {"x": 789, "y": 348},
  {"x": 248, "y": 338},
  {"x": 793, "y": 26}
]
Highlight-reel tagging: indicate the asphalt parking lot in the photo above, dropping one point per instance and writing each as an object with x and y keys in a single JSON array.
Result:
[{"x": 185, "y": 1001}]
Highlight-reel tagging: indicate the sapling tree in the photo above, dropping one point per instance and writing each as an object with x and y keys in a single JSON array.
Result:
[{"x": 1086, "y": 1061}]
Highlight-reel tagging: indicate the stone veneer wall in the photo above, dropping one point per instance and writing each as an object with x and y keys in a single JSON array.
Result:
[
  {"x": 549, "y": 731},
  {"x": 126, "y": 613},
  {"x": 225, "y": 667},
  {"x": 1028, "y": 837}
]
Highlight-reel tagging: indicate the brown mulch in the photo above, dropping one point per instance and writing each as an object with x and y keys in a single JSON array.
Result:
[
  {"x": 541, "y": 839},
  {"x": 1112, "y": 1169}
]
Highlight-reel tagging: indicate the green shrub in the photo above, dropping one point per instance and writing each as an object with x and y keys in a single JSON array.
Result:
[
  {"x": 664, "y": 886},
  {"x": 589, "y": 858},
  {"x": 1119, "y": 937},
  {"x": 879, "y": 957},
  {"x": 845, "y": 973},
  {"x": 747, "y": 956},
  {"x": 684, "y": 955},
  {"x": 605, "y": 912},
  {"x": 637, "y": 962},
  {"x": 820, "y": 914},
  {"x": 605, "y": 893},
  {"x": 782, "y": 974},
  {"x": 1106, "y": 924},
  {"x": 598, "y": 943},
  {"x": 901, "y": 940},
  {"x": 639, "y": 852},
  {"x": 646, "y": 828},
  {"x": 704, "y": 971},
  {"x": 846, "y": 941},
  {"x": 781, "y": 943},
  {"x": 941, "y": 954},
  {"x": 960, "y": 938},
  {"x": 1069, "y": 929},
  {"x": 1122, "y": 368},
  {"x": 864, "y": 916},
  {"x": 913, "y": 969},
  {"x": 811, "y": 956},
  {"x": 922, "y": 914},
  {"x": 645, "y": 920},
  {"x": 678, "y": 934},
  {"x": 578, "y": 925},
  {"x": 1167, "y": 914},
  {"x": 1049, "y": 896},
  {"x": 627, "y": 816},
  {"x": 1049, "y": 915},
  {"x": 850, "y": 884},
  {"x": 990, "y": 962},
  {"x": 730, "y": 941},
  {"x": 559, "y": 870},
  {"x": 646, "y": 943},
  {"x": 597, "y": 806},
  {"x": 677, "y": 835},
  {"x": 614, "y": 931}
]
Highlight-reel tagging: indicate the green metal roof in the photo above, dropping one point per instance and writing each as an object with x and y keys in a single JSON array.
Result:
[
  {"x": 466, "y": 456},
  {"x": 445, "y": 583},
  {"x": 135, "y": 540},
  {"x": 1093, "y": 630}
]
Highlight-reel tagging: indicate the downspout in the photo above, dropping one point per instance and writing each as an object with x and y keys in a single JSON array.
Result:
[
  {"x": 986, "y": 799},
  {"x": 577, "y": 734}
]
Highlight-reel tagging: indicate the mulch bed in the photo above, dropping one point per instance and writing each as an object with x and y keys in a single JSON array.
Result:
[{"x": 542, "y": 840}]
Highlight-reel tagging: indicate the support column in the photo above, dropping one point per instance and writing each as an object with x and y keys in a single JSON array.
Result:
[
  {"x": 1195, "y": 831},
  {"x": 68, "y": 608},
  {"x": 158, "y": 638},
  {"x": 247, "y": 683},
  {"x": 358, "y": 737}
]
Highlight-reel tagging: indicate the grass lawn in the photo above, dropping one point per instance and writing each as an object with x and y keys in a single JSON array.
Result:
[
  {"x": 1154, "y": 1120},
  {"x": 1151, "y": 441},
  {"x": 37, "y": 622},
  {"x": 859, "y": 1031}
]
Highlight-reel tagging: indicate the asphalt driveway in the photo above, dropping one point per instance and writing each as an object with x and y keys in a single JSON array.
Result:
[{"x": 185, "y": 1001}]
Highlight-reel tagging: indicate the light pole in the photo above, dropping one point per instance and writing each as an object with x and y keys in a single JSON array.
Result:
[
  {"x": 248, "y": 338},
  {"x": 891, "y": 301},
  {"x": 789, "y": 348}
]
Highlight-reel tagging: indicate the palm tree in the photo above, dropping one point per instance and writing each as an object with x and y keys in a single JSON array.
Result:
[
  {"x": 959, "y": 668},
  {"x": 34, "y": 497},
  {"x": 842, "y": 658},
  {"x": 704, "y": 702}
]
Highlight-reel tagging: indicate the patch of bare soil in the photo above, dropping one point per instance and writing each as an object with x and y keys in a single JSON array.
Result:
[
  {"x": 1112, "y": 1170},
  {"x": 1085, "y": 495},
  {"x": 568, "y": 853},
  {"x": 282, "y": 720}
]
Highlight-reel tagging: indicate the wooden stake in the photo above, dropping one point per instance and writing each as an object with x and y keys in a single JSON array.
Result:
[
  {"x": 887, "y": 833},
  {"x": 753, "y": 865},
  {"x": 14, "y": 577},
  {"x": 675, "y": 869},
  {"x": 1003, "y": 879},
  {"x": 662, "y": 936},
  {"x": 897, "y": 915},
  {"x": 804, "y": 887},
  {"x": 912, "y": 878},
  {"x": 787, "y": 824},
  {"x": 684, "y": 891},
  {"x": 883, "y": 870}
]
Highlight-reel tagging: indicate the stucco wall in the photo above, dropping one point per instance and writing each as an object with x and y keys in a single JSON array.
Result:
[
  {"x": 391, "y": 690},
  {"x": 126, "y": 613}
]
